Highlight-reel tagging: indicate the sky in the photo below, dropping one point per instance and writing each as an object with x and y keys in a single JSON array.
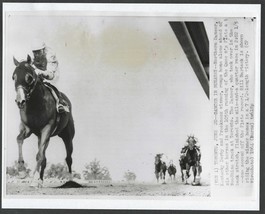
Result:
[{"x": 133, "y": 91}]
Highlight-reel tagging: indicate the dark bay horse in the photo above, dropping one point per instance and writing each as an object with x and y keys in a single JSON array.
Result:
[
  {"x": 39, "y": 116},
  {"x": 182, "y": 163},
  {"x": 172, "y": 170},
  {"x": 160, "y": 168},
  {"x": 190, "y": 158}
]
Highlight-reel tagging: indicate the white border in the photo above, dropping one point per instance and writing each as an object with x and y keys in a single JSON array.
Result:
[
  {"x": 177, "y": 10},
  {"x": 177, "y": 204}
]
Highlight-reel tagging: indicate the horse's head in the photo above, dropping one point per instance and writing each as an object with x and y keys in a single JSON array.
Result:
[
  {"x": 25, "y": 80},
  {"x": 191, "y": 142},
  {"x": 158, "y": 158}
]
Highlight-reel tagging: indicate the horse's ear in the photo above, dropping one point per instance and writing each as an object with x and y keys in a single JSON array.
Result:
[
  {"x": 29, "y": 59},
  {"x": 15, "y": 61}
]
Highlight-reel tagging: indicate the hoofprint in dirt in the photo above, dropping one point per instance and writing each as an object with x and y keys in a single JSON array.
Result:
[{"x": 174, "y": 188}]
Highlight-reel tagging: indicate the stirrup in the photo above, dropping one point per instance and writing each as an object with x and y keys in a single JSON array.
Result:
[{"x": 61, "y": 108}]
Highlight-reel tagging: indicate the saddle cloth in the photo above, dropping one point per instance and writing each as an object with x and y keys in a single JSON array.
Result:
[{"x": 55, "y": 96}]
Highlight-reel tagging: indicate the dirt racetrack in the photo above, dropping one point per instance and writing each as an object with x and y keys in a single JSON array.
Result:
[{"x": 176, "y": 188}]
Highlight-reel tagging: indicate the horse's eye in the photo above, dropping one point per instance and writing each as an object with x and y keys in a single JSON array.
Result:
[
  {"x": 14, "y": 77},
  {"x": 29, "y": 79}
]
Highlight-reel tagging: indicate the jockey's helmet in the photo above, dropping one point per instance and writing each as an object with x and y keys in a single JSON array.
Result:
[{"x": 37, "y": 45}]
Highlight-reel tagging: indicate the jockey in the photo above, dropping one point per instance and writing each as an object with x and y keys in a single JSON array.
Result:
[
  {"x": 171, "y": 163},
  {"x": 46, "y": 66},
  {"x": 191, "y": 144}
]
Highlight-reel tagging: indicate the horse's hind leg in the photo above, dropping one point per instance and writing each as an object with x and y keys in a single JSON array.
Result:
[
  {"x": 67, "y": 136},
  {"x": 69, "y": 151}
]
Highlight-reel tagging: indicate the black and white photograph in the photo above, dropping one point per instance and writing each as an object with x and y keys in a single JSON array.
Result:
[{"x": 116, "y": 106}]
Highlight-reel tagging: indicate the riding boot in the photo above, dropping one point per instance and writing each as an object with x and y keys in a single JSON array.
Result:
[{"x": 61, "y": 105}]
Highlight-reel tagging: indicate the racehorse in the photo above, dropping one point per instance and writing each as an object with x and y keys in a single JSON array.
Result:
[
  {"x": 39, "y": 116},
  {"x": 172, "y": 170},
  {"x": 190, "y": 159},
  {"x": 160, "y": 168}
]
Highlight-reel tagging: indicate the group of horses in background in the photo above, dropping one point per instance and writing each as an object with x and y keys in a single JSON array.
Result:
[{"x": 189, "y": 159}]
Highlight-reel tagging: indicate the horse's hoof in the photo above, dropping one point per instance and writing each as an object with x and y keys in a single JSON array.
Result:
[
  {"x": 71, "y": 177},
  {"x": 22, "y": 174},
  {"x": 37, "y": 184},
  {"x": 197, "y": 179},
  {"x": 195, "y": 184}
]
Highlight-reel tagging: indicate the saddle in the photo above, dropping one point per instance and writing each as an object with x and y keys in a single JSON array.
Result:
[{"x": 53, "y": 90}]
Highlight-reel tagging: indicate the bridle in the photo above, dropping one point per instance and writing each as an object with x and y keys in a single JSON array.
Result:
[{"x": 29, "y": 90}]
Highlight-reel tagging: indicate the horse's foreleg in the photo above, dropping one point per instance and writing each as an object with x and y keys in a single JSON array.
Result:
[
  {"x": 43, "y": 163},
  {"x": 194, "y": 172},
  {"x": 23, "y": 134},
  {"x": 40, "y": 158},
  {"x": 182, "y": 175},
  {"x": 157, "y": 176},
  {"x": 186, "y": 176},
  {"x": 197, "y": 174},
  {"x": 199, "y": 169},
  {"x": 164, "y": 177},
  {"x": 187, "y": 173}
]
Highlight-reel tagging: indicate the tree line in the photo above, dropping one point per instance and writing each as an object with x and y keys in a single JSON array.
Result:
[{"x": 92, "y": 171}]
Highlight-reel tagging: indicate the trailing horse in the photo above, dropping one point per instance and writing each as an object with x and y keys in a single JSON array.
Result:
[
  {"x": 38, "y": 115},
  {"x": 160, "y": 168},
  {"x": 172, "y": 170},
  {"x": 191, "y": 159}
]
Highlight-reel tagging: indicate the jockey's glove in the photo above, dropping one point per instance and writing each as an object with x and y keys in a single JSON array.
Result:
[{"x": 38, "y": 71}]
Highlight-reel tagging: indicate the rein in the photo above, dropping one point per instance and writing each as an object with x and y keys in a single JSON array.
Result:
[
  {"x": 32, "y": 89},
  {"x": 29, "y": 91}
]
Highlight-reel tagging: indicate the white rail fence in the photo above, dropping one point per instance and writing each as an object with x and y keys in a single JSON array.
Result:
[{"x": 99, "y": 181}]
